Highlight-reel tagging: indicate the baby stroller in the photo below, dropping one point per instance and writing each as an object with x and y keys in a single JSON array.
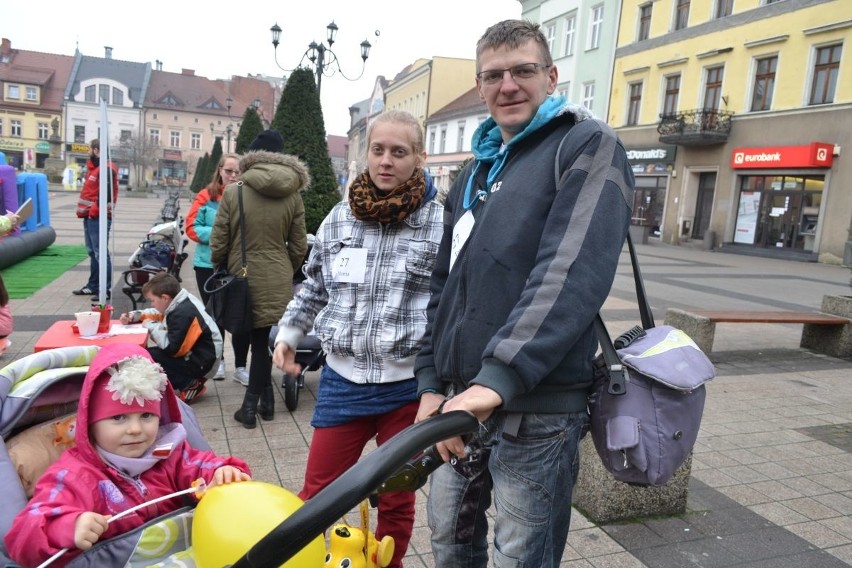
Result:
[
  {"x": 162, "y": 250},
  {"x": 41, "y": 389},
  {"x": 38, "y": 398}
]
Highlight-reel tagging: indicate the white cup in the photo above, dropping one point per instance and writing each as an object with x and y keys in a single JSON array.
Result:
[{"x": 87, "y": 323}]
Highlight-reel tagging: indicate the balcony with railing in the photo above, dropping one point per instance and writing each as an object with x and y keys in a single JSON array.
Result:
[{"x": 699, "y": 127}]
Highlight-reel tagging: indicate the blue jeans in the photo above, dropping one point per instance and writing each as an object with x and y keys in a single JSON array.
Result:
[
  {"x": 91, "y": 233},
  {"x": 532, "y": 476}
]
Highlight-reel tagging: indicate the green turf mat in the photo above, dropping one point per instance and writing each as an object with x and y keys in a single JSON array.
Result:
[{"x": 33, "y": 273}]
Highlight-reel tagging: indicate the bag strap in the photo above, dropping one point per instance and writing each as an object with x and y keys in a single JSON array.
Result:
[
  {"x": 244, "y": 270},
  {"x": 617, "y": 371}
]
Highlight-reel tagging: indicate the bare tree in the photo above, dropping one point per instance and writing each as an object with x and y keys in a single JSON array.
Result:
[{"x": 141, "y": 153}]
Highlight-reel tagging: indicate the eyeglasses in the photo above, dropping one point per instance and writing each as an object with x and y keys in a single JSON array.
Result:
[
  {"x": 522, "y": 72},
  {"x": 231, "y": 172}
]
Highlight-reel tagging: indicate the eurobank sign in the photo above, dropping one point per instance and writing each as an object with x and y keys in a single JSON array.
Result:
[{"x": 813, "y": 155}]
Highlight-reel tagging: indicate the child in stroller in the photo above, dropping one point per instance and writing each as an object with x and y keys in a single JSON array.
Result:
[{"x": 49, "y": 383}]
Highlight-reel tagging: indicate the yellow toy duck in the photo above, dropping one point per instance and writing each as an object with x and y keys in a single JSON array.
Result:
[{"x": 353, "y": 547}]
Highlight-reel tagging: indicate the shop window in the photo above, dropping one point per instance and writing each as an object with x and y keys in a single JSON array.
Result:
[
  {"x": 764, "y": 83},
  {"x": 648, "y": 202}
]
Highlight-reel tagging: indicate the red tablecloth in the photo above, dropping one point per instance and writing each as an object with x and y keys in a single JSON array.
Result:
[{"x": 61, "y": 334}]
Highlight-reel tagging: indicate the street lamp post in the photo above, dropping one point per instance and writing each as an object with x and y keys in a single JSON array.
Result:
[{"x": 323, "y": 58}]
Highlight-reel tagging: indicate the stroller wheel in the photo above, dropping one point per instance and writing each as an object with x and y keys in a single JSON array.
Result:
[{"x": 291, "y": 392}]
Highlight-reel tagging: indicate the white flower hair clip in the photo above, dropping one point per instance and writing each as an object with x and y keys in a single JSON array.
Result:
[{"x": 136, "y": 378}]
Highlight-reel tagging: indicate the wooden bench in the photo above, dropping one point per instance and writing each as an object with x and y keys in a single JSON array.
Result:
[{"x": 824, "y": 333}]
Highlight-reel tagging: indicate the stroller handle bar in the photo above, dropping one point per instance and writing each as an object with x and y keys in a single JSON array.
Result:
[{"x": 356, "y": 483}]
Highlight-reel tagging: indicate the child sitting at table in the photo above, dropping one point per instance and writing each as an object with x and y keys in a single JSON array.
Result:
[
  {"x": 131, "y": 448},
  {"x": 187, "y": 341}
]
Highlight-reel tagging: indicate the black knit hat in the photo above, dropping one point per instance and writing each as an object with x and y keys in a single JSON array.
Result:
[{"x": 269, "y": 140}]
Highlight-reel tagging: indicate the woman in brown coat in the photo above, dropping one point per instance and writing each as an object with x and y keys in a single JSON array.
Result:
[{"x": 276, "y": 243}]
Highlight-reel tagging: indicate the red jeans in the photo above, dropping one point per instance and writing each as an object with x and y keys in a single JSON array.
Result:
[{"x": 334, "y": 450}]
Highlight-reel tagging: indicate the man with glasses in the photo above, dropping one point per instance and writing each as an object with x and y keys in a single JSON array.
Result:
[{"x": 533, "y": 230}]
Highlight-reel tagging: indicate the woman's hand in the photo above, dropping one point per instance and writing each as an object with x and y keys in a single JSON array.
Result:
[
  {"x": 285, "y": 359},
  {"x": 88, "y": 529}
]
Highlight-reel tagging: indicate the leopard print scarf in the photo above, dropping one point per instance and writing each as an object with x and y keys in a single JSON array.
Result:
[{"x": 369, "y": 203}]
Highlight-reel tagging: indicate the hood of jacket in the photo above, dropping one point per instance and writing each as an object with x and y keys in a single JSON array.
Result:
[
  {"x": 273, "y": 174},
  {"x": 106, "y": 357}
]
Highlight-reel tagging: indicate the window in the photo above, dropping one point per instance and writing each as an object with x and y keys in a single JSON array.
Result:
[
  {"x": 42, "y": 131},
  {"x": 644, "y": 22},
  {"x": 764, "y": 83},
  {"x": 17, "y": 129},
  {"x": 596, "y": 26},
  {"x": 713, "y": 88},
  {"x": 1, "y": 127},
  {"x": 195, "y": 141},
  {"x": 570, "y": 28},
  {"x": 431, "y": 140},
  {"x": 565, "y": 90},
  {"x": 89, "y": 96},
  {"x": 550, "y": 35},
  {"x": 103, "y": 93},
  {"x": 589, "y": 95},
  {"x": 125, "y": 136},
  {"x": 634, "y": 103},
  {"x": 32, "y": 94},
  {"x": 724, "y": 8},
  {"x": 443, "y": 144},
  {"x": 14, "y": 92},
  {"x": 79, "y": 134},
  {"x": 174, "y": 139},
  {"x": 681, "y": 14},
  {"x": 672, "y": 95},
  {"x": 826, "y": 68},
  {"x": 154, "y": 136},
  {"x": 460, "y": 146},
  {"x": 117, "y": 97}
]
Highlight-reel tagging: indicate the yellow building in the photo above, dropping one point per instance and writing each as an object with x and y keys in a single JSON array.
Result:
[
  {"x": 735, "y": 114},
  {"x": 428, "y": 85}
]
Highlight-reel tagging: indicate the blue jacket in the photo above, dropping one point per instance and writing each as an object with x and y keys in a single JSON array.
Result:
[{"x": 199, "y": 224}]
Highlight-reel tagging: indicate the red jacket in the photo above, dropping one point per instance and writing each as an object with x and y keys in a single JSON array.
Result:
[
  {"x": 87, "y": 204},
  {"x": 81, "y": 481}
]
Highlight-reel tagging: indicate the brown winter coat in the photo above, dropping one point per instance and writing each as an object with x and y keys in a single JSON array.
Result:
[{"x": 276, "y": 241}]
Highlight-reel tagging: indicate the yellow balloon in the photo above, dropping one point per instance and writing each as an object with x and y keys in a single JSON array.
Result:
[{"x": 232, "y": 518}]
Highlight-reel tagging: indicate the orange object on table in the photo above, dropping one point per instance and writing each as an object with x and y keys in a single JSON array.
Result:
[{"x": 62, "y": 334}]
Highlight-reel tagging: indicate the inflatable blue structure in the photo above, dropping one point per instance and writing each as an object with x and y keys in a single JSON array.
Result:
[{"x": 35, "y": 233}]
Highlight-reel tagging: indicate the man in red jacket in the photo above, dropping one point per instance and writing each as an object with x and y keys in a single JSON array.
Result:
[{"x": 88, "y": 210}]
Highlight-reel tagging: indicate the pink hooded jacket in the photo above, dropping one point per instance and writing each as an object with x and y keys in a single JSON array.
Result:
[{"x": 81, "y": 481}]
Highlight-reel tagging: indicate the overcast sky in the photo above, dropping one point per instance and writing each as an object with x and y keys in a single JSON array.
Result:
[{"x": 218, "y": 43}]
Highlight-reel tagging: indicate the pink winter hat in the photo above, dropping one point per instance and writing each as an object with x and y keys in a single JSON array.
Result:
[{"x": 132, "y": 384}]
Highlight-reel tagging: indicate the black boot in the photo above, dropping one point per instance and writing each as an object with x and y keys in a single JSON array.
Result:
[
  {"x": 247, "y": 414},
  {"x": 267, "y": 403}
]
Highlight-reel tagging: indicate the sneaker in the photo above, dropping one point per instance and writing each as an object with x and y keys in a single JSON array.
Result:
[
  {"x": 241, "y": 376},
  {"x": 193, "y": 391},
  {"x": 220, "y": 372},
  {"x": 84, "y": 291}
]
